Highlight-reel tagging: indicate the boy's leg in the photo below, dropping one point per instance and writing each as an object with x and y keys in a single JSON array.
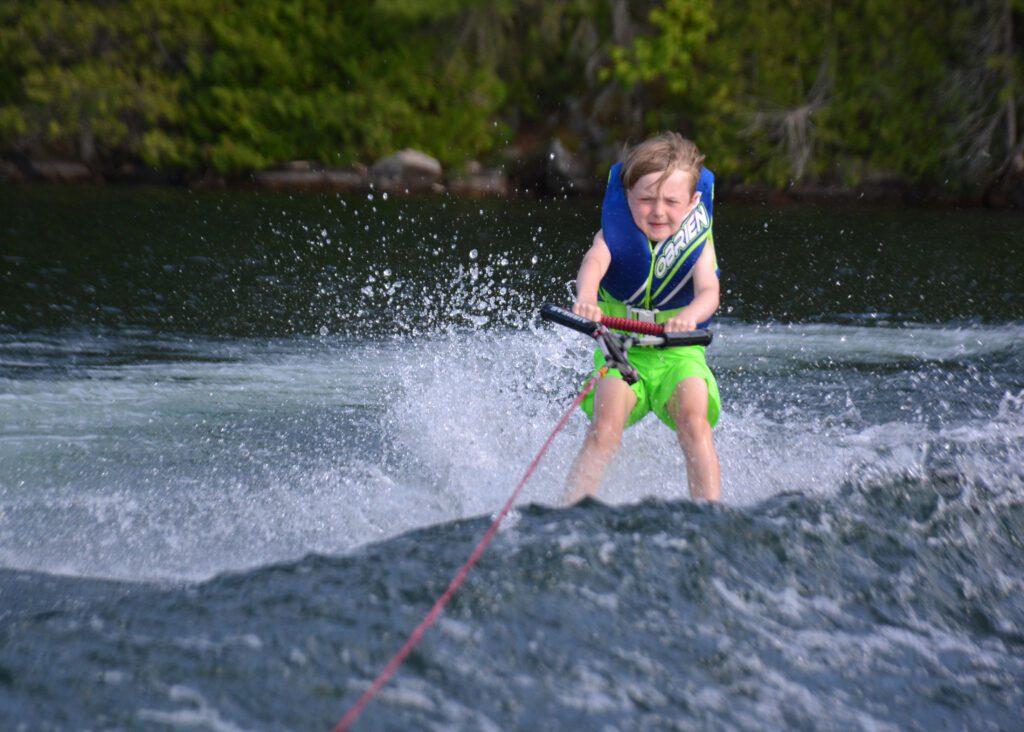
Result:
[
  {"x": 689, "y": 408},
  {"x": 613, "y": 402}
]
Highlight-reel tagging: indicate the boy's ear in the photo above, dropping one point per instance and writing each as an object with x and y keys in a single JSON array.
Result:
[{"x": 695, "y": 199}]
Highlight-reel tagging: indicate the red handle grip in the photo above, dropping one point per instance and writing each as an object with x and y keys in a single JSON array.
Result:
[
  {"x": 636, "y": 326},
  {"x": 698, "y": 337},
  {"x": 589, "y": 327}
]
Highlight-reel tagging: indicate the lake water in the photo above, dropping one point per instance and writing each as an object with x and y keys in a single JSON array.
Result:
[{"x": 246, "y": 439}]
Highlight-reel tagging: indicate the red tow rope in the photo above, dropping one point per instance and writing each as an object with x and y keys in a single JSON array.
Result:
[{"x": 428, "y": 620}]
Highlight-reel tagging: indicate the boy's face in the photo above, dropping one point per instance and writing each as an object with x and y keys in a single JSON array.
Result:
[{"x": 659, "y": 212}]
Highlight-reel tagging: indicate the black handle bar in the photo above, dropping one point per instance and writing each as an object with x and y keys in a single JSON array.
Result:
[{"x": 570, "y": 319}]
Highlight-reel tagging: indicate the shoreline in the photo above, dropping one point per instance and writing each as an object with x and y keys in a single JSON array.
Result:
[{"x": 408, "y": 173}]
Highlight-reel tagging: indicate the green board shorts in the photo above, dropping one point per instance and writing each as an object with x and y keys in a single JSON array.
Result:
[{"x": 660, "y": 371}]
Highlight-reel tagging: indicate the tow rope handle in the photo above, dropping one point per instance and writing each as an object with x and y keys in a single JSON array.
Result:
[{"x": 570, "y": 319}]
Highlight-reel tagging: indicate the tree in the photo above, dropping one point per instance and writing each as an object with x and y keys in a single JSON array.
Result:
[
  {"x": 987, "y": 84},
  {"x": 233, "y": 85},
  {"x": 79, "y": 80}
]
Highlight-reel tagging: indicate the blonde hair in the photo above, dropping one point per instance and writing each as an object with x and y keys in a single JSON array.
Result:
[{"x": 664, "y": 153}]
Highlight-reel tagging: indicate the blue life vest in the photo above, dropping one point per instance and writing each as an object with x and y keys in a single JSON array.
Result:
[{"x": 653, "y": 276}]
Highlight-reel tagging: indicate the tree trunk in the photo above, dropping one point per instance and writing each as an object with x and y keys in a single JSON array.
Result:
[{"x": 86, "y": 142}]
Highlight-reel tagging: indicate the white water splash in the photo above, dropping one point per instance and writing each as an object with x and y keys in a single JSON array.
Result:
[{"x": 204, "y": 457}]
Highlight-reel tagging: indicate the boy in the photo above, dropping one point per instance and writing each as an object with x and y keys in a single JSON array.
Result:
[{"x": 653, "y": 260}]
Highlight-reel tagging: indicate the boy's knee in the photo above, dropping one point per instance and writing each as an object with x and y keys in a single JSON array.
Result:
[{"x": 692, "y": 426}]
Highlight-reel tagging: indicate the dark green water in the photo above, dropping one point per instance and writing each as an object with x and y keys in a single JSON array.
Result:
[
  {"x": 247, "y": 263},
  {"x": 246, "y": 440}
]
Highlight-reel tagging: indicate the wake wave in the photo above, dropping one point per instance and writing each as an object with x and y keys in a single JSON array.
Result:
[{"x": 604, "y": 614}]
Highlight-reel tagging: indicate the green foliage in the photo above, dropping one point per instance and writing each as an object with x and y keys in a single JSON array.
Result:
[
  {"x": 781, "y": 92},
  {"x": 88, "y": 83},
  {"x": 684, "y": 29},
  {"x": 235, "y": 86},
  {"x": 774, "y": 91}
]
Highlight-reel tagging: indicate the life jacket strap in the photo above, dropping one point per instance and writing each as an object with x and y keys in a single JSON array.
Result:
[{"x": 612, "y": 307}]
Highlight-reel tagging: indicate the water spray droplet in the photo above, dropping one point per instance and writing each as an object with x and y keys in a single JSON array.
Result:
[{"x": 473, "y": 254}]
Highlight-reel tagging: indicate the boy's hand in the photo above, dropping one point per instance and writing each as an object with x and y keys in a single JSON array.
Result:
[
  {"x": 588, "y": 310},
  {"x": 680, "y": 324}
]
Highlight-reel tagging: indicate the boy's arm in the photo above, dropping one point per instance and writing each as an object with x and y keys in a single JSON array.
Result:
[
  {"x": 588, "y": 280},
  {"x": 705, "y": 295}
]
